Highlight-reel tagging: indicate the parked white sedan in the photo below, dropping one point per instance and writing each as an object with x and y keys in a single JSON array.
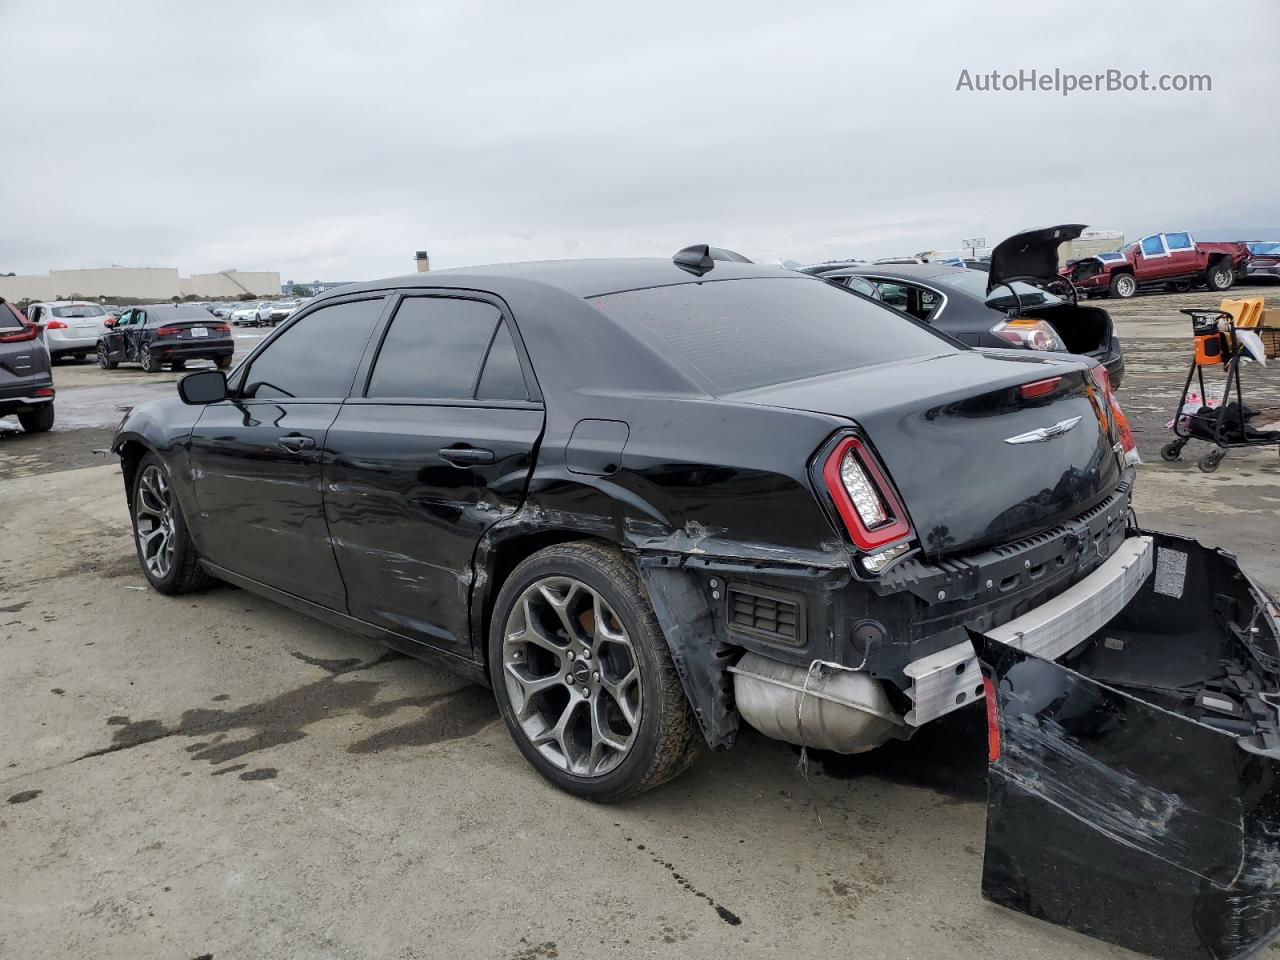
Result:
[
  {"x": 252, "y": 314},
  {"x": 70, "y": 328}
]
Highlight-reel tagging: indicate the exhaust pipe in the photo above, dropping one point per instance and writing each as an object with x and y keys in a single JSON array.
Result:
[{"x": 838, "y": 710}]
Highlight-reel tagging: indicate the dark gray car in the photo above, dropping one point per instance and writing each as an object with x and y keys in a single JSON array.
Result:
[{"x": 26, "y": 380}]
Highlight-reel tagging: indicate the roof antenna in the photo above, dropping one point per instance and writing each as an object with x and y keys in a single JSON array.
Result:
[{"x": 696, "y": 259}]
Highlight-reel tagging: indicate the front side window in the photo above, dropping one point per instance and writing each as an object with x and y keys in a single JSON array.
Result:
[
  {"x": 1152, "y": 246},
  {"x": 317, "y": 356},
  {"x": 1179, "y": 241},
  {"x": 433, "y": 349}
]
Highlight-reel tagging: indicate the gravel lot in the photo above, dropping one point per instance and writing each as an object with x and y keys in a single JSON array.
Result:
[{"x": 214, "y": 776}]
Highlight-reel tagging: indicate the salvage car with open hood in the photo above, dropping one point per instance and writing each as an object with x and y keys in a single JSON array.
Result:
[
  {"x": 1019, "y": 301},
  {"x": 648, "y": 500}
]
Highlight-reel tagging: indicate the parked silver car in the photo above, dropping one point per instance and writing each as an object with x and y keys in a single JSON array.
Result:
[
  {"x": 69, "y": 328},
  {"x": 252, "y": 314},
  {"x": 282, "y": 308}
]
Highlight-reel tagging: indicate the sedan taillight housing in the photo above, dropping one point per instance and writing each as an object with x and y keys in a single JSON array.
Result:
[
  {"x": 1032, "y": 334},
  {"x": 1123, "y": 432},
  {"x": 860, "y": 489},
  {"x": 167, "y": 331},
  {"x": 29, "y": 331}
]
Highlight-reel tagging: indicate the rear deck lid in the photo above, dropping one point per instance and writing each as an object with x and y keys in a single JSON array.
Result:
[
  {"x": 977, "y": 460},
  {"x": 1030, "y": 256}
]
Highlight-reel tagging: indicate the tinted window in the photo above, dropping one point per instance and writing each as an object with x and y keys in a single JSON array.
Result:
[
  {"x": 1152, "y": 246},
  {"x": 317, "y": 356},
  {"x": 9, "y": 318},
  {"x": 739, "y": 334},
  {"x": 1178, "y": 241},
  {"x": 84, "y": 310},
  {"x": 433, "y": 349},
  {"x": 502, "y": 378},
  {"x": 864, "y": 287}
]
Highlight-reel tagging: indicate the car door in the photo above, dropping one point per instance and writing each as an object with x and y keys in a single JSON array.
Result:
[
  {"x": 256, "y": 458},
  {"x": 433, "y": 450},
  {"x": 114, "y": 337},
  {"x": 1155, "y": 258},
  {"x": 134, "y": 334},
  {"x": 1182, "y": 254}
]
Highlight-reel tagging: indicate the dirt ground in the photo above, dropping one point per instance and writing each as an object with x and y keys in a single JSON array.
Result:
[{"x": 215, "y": 776}]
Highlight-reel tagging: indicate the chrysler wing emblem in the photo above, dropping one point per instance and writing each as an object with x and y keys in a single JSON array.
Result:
[{"x": 1044, "y": 433}]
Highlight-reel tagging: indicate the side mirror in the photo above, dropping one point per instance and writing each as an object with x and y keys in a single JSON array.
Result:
[
  {"x": 110, "y": 321},
  {"x": 206, "y": 386}
]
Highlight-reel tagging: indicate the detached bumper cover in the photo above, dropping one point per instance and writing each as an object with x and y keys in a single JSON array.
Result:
[{"x": 1134, "y": 793}]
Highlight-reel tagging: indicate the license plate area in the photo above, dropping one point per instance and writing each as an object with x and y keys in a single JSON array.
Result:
[{"x": 199, "y": 331}]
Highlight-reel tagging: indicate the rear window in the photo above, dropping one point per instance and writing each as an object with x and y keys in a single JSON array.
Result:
[
  {"x": 83, "y": 310},
  {"x": 741, "y": 334}
]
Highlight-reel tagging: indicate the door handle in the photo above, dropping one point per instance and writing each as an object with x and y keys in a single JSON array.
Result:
[
  {"x": 466, "y": 456},
  {"x": 296, "y": 442}
]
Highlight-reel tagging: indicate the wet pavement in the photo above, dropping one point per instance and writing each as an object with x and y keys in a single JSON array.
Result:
[{"x": 214, "y": 775}]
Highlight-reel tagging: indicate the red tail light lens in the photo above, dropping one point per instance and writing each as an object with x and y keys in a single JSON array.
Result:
[
  {"x": 44, "y": 391},
  {"x": 29, "y": 331},
  {"x": 220, "y": 328},
  {"x": 55, "y": 325},
  {"x": 993, "y": 720},
  {"x": 1124, "y": 434},
  {"x": 167, "y": 331},
  {"x": 1039, "y": 388},
  {"x": 863, "y": 496}
]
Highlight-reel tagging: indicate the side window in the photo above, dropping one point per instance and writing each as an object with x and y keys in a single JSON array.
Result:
[
  {"x": 864, "y": 287},
  {"x": 433, "y": 349},
  {"x": 317, "y": 356},
  {"x": 502, "y": 378},
  {"x": 1152, "y": 246},
  {"x": 893, "y": 294},
  {"x": 929, "y": 302},
  {"x": 1179, "y": 241},
  {"x": 37, "y": 313}
]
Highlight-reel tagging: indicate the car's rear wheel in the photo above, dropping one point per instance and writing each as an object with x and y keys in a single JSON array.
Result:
[
  {"x": 1219, "y": 277},
  {"x": 1123, "y": 286},
  {"x": 150, "y": 362},
  {"x": 223, "y": 363},
  {"x": 105, "y": 360},
  {"x": 179, "y": 365},
  {"x": 583, "y": 676},
  {"x": 165, "y": 551},
  {"x": 37, "y": 421}
]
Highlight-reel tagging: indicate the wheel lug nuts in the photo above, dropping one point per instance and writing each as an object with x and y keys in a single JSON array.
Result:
[
  {"x": 568, "y": 678},
  {"x": 586, "y": 654},
  {"x": 595, "y": 676},
  {"x": 586, "y": 692}
]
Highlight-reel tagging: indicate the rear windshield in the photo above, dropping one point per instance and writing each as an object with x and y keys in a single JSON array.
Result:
[
  {"x": 741, "y": 334},
  {"x": 82, "y": 310}
]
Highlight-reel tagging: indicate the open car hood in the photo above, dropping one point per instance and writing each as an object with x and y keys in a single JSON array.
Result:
[{"x": 1030, "y": 256}]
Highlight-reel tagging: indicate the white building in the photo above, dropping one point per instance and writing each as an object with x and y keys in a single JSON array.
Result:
[{"x": 143, "y": 284}]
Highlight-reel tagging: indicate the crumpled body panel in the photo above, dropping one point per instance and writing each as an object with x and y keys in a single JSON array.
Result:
[{"x": 1134, "y": 792}]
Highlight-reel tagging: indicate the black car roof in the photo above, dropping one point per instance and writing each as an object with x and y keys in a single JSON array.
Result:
[
  {"x": 905, "y": 271},
  {"x": 582, "y": 278},
  {"x": 173, "y": 311}
]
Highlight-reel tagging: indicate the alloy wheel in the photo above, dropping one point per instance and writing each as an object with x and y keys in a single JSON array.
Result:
[
  {"x": 153, "y": 521},
  {"x": 1125, "y": 287},
  {"x": 103, "y": 357},
  {"x": 1222, "y": 279},
  {"x": 572, "y": 676}
]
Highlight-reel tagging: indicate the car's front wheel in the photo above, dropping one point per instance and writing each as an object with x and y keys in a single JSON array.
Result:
[
  {"x": 583, "y": 676},
  {"x": 105, "y": 360},
  {"x": 1123, "y": 286},
  {"x": 165, "y": 551},
  {"x": 1219, "y": 277}
]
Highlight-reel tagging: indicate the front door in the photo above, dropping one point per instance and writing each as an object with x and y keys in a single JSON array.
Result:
[
  {"x": 437, "y": 450},
  {"x": 256, "y": 458}
]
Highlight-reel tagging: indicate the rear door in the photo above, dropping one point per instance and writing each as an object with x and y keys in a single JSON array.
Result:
[
  {"x": 434, "y": 449},
  {"x": 134, "y": 334},
  {"x": 256, "y": 458}
]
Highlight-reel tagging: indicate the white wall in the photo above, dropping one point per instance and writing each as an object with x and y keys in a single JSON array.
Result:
[
  {"x": 26, "y": 288},
  {"x": 139, "y": 283},
  {"x": 236, "y": 283}
]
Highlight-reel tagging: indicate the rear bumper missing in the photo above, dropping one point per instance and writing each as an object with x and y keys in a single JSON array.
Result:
[{"x": 1134, "y": 784}]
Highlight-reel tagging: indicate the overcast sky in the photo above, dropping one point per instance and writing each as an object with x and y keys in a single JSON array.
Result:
[{"x": 331, "y": 140}]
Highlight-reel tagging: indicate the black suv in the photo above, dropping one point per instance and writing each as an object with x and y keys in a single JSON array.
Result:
[{"x": 26, "y": 382}]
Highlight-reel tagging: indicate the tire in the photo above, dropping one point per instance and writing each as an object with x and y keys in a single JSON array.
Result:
[
  {"x": 257, "y": 320},
  {"x": 177, "y": 365},
  {"x": 150, "y": 362},
  {"x": 1219, "y": 276},
  {"x": 656, "y": 742},
  {"x": 1210, "y": 461},
  {"x": 105, "y": 360},
  {"x": 171, "y": 565},
  {"x": 1123, "y": 286},
  {"x": 1178, "y": 286},
  {"x": 223, "y": 363},
  {"x": 37, "y": 421},
  {"x": 1171, "y": 451}
]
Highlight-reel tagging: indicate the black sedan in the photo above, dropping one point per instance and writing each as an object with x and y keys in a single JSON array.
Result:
[
  {"x": 164, "y": 333},
  {"x": 1009, "y": 305},
  {"x": 643, "y": 498}
]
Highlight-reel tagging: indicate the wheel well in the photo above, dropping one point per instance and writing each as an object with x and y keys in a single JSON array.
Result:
[
  {"x": 1217, "y": 258},
  {"x": 131, "y": 453},
  {"x": 1119, "y": 270},
  {"x": 509, "y": 554}
]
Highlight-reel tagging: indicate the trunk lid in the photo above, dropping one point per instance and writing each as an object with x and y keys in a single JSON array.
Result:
[
  {"x": 1030, "y": 256},
  {"x": 962, "y": 445}
]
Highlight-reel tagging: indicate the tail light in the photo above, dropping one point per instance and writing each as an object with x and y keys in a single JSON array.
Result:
[
  {"x": 1032, "y": 334},
  {"x": 863, "y": 496},
  {"x": 167, "y": 331},
  {"x": 29, "y": 331},
  {"x": 1123, "y": 432},
  {"x": 220, "y": 328},
  {"x": 44, "y": 391},
  {"x": 993, "y": 720},
  {"x": 1039, "y": 388},
  {"x": 55, "y": 325}
]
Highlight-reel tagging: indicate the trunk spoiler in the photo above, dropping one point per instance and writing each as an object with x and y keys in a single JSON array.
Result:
[{"x": 1134, "y": 785}]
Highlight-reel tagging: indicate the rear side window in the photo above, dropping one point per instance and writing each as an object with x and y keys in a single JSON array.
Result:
[
  {"x": 433, "y": 349},
  {"x": 1179, "y": 241},
  {"x": 742, "y": 334},
  {"x": 502, "y": 379},
  {"x": 9, "y": 318},
  {"x": 317, "y": 356}
]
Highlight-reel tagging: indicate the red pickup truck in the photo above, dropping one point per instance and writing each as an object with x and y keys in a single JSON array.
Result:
[{"x": 1167, "y": 260}]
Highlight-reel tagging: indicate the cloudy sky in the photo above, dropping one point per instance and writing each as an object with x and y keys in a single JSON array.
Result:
[{"x": 331, "y": 140}]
